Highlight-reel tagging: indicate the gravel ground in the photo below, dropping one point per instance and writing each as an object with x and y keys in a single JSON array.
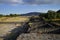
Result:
[{"x": 38, "y": 36}]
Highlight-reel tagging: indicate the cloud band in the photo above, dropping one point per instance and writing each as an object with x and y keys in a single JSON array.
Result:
[{"x": 30, "y": 2}]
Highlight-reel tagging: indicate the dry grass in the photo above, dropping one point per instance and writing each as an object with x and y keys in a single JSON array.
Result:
[
  {"x": 4, "y": 28},
  {"x": 55, "y": 19},
  {"x": 14, "y": 19}
]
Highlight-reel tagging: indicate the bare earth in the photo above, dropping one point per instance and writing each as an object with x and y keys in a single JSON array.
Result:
[{"x": 5, "y": 28}]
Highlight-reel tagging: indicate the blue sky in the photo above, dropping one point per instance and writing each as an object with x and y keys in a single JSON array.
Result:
[{"x": 25, "y": 6}]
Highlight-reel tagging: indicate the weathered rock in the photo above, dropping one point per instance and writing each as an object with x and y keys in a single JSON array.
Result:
[{"x": 38, "y": 36}]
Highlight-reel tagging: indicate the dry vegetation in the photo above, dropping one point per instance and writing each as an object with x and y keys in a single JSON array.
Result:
[
  {"x": 5, "y": 28},
  {"x": 14, "y": 19}
]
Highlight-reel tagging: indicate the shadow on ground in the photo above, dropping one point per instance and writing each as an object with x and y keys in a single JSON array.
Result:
[{"x": 17, "y": 31}]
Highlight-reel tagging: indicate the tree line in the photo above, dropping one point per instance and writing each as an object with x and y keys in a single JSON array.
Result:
[
  {"x": 10, "y": 15},
  {"x": 51, "y": 14}
]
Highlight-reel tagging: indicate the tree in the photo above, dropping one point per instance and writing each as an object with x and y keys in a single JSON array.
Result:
[
  {"x": 1, "y": 15},
  {"x": 51, "y": 14},
  {"x": 58, "y": 14},
  {"x": 58, "y": 11},
  {"x": 11, "y": 15},
  {"x": 43, "y": 15},
  {"x": 14, "y": 15}
]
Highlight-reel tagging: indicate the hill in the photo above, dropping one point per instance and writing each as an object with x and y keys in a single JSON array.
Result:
[{"x": 31, "y": 14}]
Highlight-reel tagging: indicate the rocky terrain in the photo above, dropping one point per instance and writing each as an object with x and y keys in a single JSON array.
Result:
[
  {"x": 38, "y": 36},
  {"x": 35, "y": 29}
]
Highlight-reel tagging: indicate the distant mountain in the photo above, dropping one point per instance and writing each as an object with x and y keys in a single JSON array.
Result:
[{"x": 31, "y": 14}]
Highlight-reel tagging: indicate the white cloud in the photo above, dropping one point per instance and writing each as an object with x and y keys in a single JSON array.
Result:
[
  {"x": 42, "y": 1},
  {"x": 11, "y": 1},
  {"x": 37, "y": 2}
]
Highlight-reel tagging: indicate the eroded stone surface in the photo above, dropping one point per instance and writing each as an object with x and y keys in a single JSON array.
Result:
[{"x": 38, "y": 36}]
